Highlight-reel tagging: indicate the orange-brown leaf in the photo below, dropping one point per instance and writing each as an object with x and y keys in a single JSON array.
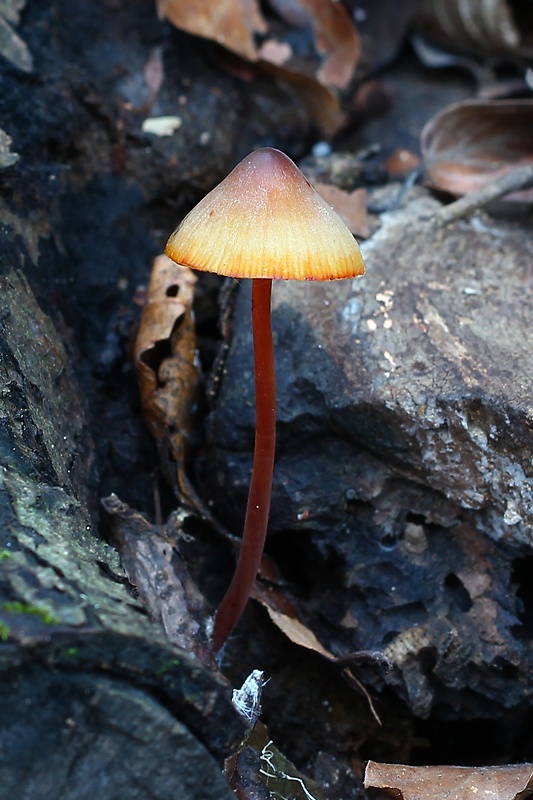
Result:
[
  {"x": 450, "y": 783},
  {"x": 469, "y": 144},
  {"x": 231, "y": 23},
  {"x": 165, "y": 357}
]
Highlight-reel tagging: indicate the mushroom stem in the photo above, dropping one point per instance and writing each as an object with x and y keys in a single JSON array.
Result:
[{"x": 255, "y": 523}]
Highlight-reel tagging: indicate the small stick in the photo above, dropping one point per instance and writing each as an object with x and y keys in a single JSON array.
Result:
[{"x": 519, "y": 178}]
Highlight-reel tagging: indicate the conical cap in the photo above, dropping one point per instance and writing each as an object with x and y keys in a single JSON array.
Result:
[{"x": 265, "y": 220}]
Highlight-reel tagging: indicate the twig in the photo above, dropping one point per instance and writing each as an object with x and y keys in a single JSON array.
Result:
[
  {"x": 397, "y": 201},
  {"x": 519, "y": 178}
]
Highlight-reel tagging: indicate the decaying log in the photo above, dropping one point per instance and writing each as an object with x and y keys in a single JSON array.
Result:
[{"x": 95, "y": 701}]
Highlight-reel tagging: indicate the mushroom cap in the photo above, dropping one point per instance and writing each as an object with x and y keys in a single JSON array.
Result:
[{"x": 265, "y": 220}]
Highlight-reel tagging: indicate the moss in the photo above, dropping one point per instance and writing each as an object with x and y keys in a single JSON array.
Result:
[
  {"x": 17, "y": 607},
  {"x": 5, "y": 554},
  {"x": 167, "y": 665},
  {"x": 4, "y": 632}
]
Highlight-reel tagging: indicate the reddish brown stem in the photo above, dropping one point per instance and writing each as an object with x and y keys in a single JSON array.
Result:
[{"x": 255, "y": 523}]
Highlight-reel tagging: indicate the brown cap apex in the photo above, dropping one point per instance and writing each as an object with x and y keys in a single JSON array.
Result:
[{"x": 265, "y": 220}]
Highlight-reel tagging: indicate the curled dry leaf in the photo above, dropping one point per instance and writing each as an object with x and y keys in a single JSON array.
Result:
[
  {"x": 469, "y": 144},
  {"x": 286, "y": 618},
  {"x": 336, "y": 40},
  {"x": 167, "y": 364},
  {"x": 230, "y": 23},
  {"x": 485, "y": 27},
  {"x": 450, "y": 783},
  {"x": 323, "y": 104},
  {"x": 328, "y": 50}
]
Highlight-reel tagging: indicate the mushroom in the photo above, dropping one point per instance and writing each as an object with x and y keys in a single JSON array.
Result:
[{"x": 263, "y": 221}]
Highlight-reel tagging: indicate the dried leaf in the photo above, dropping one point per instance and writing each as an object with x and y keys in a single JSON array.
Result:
[
  {"x": 258, "y": 771},
  {"x": 486, "y": 27},
  {"x": 12, "y": 47},
  {"x": 325, "y": 62},
  {"x": 450, "y": 783},
  {"x": 337, "y": 39},
  {"x": 469, "y": 144},
  {"x": 285, "y": 616},
  {"x": 350, "y": 206},
  {"x": 297, "y": 632},
  {"x": 153, "y": 564},
  {"x": 166, "y": 360},
  {"x": 323, "y": 104},
  {"x": 231, "y": 23}
]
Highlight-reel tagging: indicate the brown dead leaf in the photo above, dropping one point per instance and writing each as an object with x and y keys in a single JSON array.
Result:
[
  {"x": 469, "y": 144},
  {"x": 481, "y": 27},
  {"x": 328, "y": 50},
  {"x": 286, "y": 618},
  {"x": 293, "y": 628},
  {"x": 323, "y": 104},
  {"x": 167, "y": 363},
  {"x": 153, "y": 564},
  {"x": 350, "y": 206},
  {"x": 450, "y": 783},
  {"x": 230, "y": 23},
  {"x": 336, "y": 39}
]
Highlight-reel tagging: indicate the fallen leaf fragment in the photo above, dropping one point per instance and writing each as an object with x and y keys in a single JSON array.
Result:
[
  {"x": 285, "y": 616},
  {"x": 323, "y": 104},
  {"x": 259, "y": 771},
  {"x": 167, "y": 364},
  {"x": 231, "y": 23},
  {"x": 471, "y": 143},
  {"x": 450, "y": 783},
  {"x": 350, "y": 206},
  {"x": 484, "y": 27},
  {"x": 336, "y": 39},
  {"x": 152, "y": 561},
  {"x": 324, "y": 62}
]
